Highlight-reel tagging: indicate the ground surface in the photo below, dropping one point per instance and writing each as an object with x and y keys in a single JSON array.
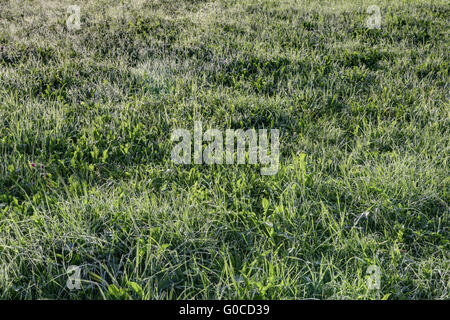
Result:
[{"x": 86, "y": 177}]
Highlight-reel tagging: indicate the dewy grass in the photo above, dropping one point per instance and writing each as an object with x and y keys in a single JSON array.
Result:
[{"x": 92, "y": 205}]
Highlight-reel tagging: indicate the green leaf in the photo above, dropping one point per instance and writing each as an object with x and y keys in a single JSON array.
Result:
[
  {"x": 265, "y": 204},
  {"x": 114, "y": 291},
  {"x": 386, "y": 296},
  {"x": 137, "y": 288}
]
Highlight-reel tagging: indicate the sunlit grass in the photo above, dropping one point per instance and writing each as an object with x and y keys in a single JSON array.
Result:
[{"x": 363, "y": 178}]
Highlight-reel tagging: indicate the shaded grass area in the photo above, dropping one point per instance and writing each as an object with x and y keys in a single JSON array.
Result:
[{"x": 363, "y": 178}]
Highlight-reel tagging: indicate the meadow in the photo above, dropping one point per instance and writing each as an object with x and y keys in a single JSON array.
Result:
[{"x": 87, "y": 180}]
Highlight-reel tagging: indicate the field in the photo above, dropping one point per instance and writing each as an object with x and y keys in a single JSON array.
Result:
[{"x": 87, "y": 184}]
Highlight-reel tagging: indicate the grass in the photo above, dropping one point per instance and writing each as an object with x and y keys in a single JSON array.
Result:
[{"x": 86, "y": 177}]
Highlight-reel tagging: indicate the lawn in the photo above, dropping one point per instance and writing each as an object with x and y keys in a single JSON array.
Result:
[{"x": 93, "y": 207}]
